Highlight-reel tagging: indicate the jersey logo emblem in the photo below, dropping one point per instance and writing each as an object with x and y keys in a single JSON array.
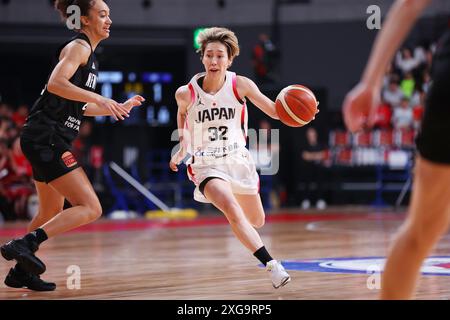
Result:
[
  {"x": 199, "y": 102},
  {"x": 68, "y": 159},
  {"x": 91, "y": 81}
]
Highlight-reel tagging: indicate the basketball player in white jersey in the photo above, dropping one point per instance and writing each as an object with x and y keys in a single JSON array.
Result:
[{"x": 212, "y": 121}]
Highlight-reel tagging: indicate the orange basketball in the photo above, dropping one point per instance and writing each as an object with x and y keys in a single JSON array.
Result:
[{"x": 296, "y": 105}]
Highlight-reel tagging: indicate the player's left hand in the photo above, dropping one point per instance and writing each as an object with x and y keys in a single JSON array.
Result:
[{"x": 133, "y": 102}]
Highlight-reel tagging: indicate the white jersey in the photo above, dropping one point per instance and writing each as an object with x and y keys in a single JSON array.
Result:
[
  {"x": 217, "y": 123},
  {"x": 217, "y": 126}
]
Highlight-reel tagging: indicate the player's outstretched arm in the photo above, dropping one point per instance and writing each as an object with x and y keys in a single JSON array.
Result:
[
  {"x": 93, "y": 110},
  {"x": 360, "y": 104},
  {"x": 247, "y": 88},
  {"x": 72, "y": 56}
]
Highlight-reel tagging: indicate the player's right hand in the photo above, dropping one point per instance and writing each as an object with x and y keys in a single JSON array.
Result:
[
  {"x": 116, "y": 110},
  {"x": 360, "y": 106},
  {"x": 176, "y": 159},
  {"x": 173, "y": 166}
]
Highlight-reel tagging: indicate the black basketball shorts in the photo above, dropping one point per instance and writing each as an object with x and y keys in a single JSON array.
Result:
[
  {"x": 49, "y": 161},
  {"x": 433, "y": 141}
]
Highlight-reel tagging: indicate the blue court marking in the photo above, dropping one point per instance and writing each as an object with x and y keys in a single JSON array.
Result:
[{"x": 362, "y": 265}]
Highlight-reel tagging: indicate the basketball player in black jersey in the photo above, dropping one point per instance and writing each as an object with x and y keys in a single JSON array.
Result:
[
  {"x": 51, "y": 127},
  {"x": 429, "y": 212}
]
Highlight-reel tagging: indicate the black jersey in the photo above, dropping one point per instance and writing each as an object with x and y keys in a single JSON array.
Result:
[{"x": 53, "y": 117}]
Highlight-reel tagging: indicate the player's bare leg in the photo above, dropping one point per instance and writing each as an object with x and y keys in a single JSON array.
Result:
[{"x": 428, "y": 219}]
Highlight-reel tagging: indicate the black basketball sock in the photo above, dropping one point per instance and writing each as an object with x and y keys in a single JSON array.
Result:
[
  {"x": 262, "y": 255},
  {"x": 37, "y": 235}
]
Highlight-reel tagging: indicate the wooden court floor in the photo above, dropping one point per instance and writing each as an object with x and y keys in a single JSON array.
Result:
[{"x": 201, "y": 259}]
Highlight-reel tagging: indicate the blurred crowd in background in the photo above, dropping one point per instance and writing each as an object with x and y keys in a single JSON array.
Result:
[
  {"x": 402, "y": 105},
  {"x": 17, "y": 192}
]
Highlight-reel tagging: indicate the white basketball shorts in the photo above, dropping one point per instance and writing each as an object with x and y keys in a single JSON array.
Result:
[{"x": 237, "y": 168}]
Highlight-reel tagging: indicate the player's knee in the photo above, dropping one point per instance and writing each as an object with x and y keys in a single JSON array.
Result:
[
  {"x": 95, "y": 210},
  {"x": 259, "y": 222}
]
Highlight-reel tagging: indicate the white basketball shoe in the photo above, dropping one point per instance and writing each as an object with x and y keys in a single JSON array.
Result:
[{"x": 278, "y": 275}]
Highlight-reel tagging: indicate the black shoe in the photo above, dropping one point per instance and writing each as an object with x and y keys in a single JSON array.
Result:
[
  {"x": 22, "y": 251},
  {"x": 21, "y": 279}
]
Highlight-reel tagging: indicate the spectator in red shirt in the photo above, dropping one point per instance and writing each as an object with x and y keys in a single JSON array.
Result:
[
  {"x": 19, "y": 186},
  {"x": 5, "y": 206},
  {"x": 418, "y": 110},
  {"x": 20, "y": 164},
  {"x": 384, "y": 116}
]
